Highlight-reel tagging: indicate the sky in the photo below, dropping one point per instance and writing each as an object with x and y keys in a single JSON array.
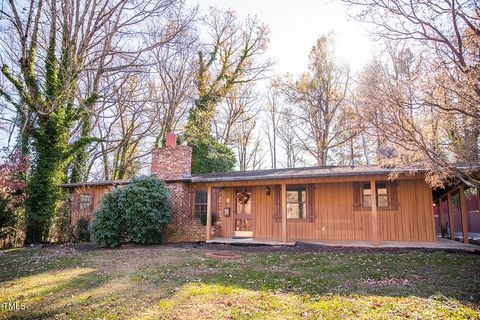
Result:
[{"x": 295, "y": 25}]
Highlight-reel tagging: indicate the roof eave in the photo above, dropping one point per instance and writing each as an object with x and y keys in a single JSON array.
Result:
[{"x": 301, "y": 176}]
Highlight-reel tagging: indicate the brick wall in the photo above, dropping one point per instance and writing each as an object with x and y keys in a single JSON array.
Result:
[
  {"x": 172, "y": 162},
  {"x": 182, "y": 227}
]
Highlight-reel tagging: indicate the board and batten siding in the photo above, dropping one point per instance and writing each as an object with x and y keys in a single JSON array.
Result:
[
  {"x": 335, "y": 217},
  {"x": 264, "y": 224},
  {"x": 96, "y": 192}
]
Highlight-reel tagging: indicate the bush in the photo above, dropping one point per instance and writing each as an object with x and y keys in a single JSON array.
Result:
[
  {"x": 82, "y": 230},
  {"x": 136, "y": 213}
]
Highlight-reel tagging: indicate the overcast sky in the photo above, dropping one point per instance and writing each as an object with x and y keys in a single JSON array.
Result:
[{"x": 295, "y": 25}]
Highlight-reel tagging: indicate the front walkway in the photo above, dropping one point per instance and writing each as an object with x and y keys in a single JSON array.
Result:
[
  {"x": 441, "y": 243},
  {"x": 250, "y": 241}
]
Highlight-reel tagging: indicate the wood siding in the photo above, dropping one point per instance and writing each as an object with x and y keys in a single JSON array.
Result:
[
  {"x": 96, "y": 192},
  {"x": 264, "y": 225},
  {"x": 335, "y": 218}
]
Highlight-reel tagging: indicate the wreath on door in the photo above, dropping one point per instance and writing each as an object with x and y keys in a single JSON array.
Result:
[{"x": 243, "y": 197}]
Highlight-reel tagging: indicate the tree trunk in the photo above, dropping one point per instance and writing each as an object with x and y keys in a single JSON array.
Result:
[{"x": 48, "y": 170}]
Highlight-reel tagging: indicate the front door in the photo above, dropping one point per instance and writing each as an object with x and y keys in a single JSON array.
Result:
[{"x": 243, "y": 216}]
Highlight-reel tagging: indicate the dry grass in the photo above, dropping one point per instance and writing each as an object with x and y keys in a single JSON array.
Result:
[{"x": 183, "y": 282}]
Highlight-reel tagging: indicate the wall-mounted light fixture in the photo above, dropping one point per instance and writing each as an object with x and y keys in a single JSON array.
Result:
[{"x": 267, "y": 190}]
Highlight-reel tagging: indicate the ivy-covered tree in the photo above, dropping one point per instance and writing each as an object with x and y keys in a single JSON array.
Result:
[{"x": 230, "y": 58}]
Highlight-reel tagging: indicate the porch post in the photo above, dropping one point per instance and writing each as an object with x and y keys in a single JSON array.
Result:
[
  {"x": 450, "y": 215},
  {"x": 284, "y": 213},
  {"x": 209, "y": 212},
  {"x": 463, "y": 208},
  {"x": 375, "y": 233}
]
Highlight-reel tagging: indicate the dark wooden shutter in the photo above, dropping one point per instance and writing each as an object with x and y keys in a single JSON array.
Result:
[
  {"x": 356, "y": 196},
  {"x": 277, "y": 215},
  {"x": 311, "y": 203},
  {"x": 392, "y": 189}
]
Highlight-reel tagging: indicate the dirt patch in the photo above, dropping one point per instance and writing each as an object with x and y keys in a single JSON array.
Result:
[{"x": 222, "y": 255}]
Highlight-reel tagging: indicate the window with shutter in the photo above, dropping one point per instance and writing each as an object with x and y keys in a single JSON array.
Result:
[{"x": 386, "y": 195}]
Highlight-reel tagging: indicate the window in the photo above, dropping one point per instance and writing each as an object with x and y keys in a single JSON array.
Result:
[
  {"x": 381, "y": 195},
  {"x": 296, "y": 196},
  {"x": 201, "y": 198},
  {"x": 84, "y": 201}
]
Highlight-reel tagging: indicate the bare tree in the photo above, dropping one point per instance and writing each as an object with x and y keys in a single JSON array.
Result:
[
  {"x": 174, "y": 73},
  {"x": 320, "y": 99},
  {"x": 127, "y": 127},
  {"x": 248, "y": 144},
  {"x": 231, "y": 56},
  {"x": 288, "y": 139},
  {"x": 238, "y": 107},
  {"x": 447, "y": 33},
  {"x": 420, "y": 135},
  {"x": 273, "y": 112}
]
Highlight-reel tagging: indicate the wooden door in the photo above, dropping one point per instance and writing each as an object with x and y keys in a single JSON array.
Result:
[{"x": 243, "y": 215}]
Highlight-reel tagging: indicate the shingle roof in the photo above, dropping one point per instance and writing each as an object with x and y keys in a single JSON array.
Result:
[
  {"x": 288, "y": 173},
  {"x": 307, "y": 172}
]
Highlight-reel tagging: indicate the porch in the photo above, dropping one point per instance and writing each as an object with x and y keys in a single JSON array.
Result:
[
  {"x": 440, "y": 244},
  {"x": 360, "y": 210},
  {"x": 457, "y": 214}
]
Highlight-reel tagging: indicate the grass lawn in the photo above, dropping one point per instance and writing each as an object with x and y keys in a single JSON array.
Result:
[{"x": 183, "y": 282}]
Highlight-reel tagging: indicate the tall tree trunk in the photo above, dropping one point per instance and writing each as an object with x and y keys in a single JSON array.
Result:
[{"x": 48, "y": 170}]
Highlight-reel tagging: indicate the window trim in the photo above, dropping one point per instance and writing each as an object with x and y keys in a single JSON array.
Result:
[{"x": 304, "y": 201}]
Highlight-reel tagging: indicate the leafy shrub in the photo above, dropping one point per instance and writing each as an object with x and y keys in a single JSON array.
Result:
[
  {"x": 82, "y": 230},
  {"x": 136, "y": 213}
]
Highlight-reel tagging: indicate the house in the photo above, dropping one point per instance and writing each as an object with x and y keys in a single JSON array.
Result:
[{"x": 285, "y": 205}]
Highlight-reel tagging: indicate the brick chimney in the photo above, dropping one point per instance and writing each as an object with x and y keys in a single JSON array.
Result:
[{"x": 172, "y": 161}]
